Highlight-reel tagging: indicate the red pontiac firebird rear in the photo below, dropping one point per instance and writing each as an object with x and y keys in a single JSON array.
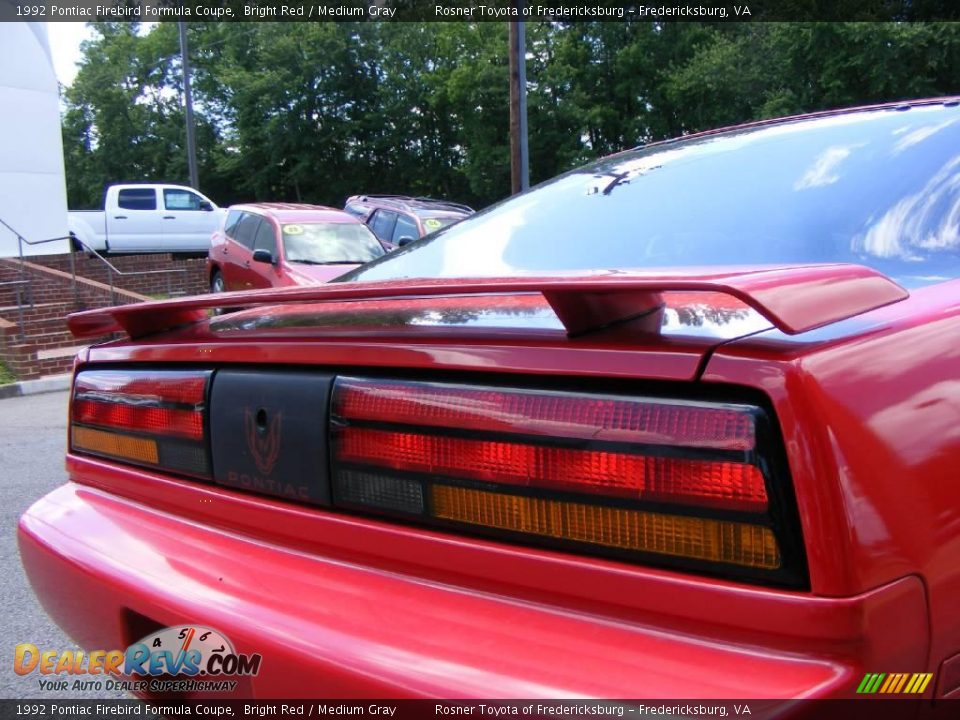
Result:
[{"x": 681, "y": 423}]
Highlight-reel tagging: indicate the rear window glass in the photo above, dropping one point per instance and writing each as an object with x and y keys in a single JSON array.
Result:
[
  {"x": 878, "y": 188},
  {"x": 137, "y": 199}
]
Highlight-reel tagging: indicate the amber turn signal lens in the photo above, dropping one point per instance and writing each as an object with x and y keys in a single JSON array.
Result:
[
  {"x": 693, "y": 537},
  {"x": 138, "y": 449}
]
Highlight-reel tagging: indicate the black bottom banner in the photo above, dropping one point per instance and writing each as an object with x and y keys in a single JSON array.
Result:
[{"x": 865, "y": 709}]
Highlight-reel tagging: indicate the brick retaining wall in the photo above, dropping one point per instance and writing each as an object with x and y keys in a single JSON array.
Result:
[{"x": 191, "y": 281}]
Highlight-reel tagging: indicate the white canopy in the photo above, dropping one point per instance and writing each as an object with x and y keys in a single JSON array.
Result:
[{"x": 33, "y": 194}]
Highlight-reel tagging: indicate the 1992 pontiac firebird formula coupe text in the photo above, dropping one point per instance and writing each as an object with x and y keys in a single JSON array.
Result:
[{"x": 681, "y": 423}]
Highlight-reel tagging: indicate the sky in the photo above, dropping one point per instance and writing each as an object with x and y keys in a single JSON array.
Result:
[{"x": 65, "y": 39}]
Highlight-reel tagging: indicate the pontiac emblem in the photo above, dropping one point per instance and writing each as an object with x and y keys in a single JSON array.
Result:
[{"x": 263, "y": 440}]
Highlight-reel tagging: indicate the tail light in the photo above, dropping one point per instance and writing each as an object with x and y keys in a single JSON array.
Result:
[
  {"x": 664, "y": 481},
  {"x": 668, "y": 482},
  {"x": 155, "y": 419}
]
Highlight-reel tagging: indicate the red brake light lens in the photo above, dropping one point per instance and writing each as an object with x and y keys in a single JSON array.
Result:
[
  {"x": 736, "y": 486},
  {"x": 161, "y": 420},
  {"x": 148, "y": 418}
]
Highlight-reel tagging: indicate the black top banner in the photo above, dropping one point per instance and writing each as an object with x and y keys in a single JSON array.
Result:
[{"x": 478, "y": 10}]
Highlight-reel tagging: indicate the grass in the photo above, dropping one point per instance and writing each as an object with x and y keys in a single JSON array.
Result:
[{"x": 6, "y": 377}]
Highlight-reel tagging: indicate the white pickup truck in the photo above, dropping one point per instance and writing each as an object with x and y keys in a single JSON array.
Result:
[{"x": 148, "y": 218}]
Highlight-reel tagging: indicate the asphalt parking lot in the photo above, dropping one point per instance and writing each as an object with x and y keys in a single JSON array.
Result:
[{"x": 32, "y": 438}]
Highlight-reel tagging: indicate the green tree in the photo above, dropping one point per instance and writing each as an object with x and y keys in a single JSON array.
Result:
[{"x": 124, "y": 117}]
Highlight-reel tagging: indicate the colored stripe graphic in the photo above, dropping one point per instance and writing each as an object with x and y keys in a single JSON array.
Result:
[
  {"x": 903, "y": 681},
  {"x": 894, "y": 683},
  {"x": 918, "y": 683},
  {"x": 891, "y": 679},
  {"x": 870, "y": 683}
]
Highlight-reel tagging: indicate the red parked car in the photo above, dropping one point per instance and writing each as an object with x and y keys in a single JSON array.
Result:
[
  {"x": 683, "y": 423},
  {"x": 265, "y": 245}
]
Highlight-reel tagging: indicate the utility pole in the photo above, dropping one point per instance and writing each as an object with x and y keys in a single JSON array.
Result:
[
  {"x": 188, "y": 100},
  {"x": 519, "y": 160},
  {"x": 522, "y": 78}
]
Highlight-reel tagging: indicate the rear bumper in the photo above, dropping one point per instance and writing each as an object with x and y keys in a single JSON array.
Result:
[{"x": 329, "y": 627}]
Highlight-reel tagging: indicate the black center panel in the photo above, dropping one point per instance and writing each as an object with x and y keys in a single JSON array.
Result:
[{"x": 268, "y": 433}]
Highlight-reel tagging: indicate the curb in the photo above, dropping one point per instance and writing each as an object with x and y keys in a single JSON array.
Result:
[{"x": 52, "y": 383}]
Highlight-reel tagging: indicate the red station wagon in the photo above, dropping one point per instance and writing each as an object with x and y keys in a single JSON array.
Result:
[
  {"x": 682, "y": 423},
  {"x": 265, "y": 245}
]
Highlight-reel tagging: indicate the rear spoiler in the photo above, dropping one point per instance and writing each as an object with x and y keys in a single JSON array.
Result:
[{"x": 793, "y": 298}]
